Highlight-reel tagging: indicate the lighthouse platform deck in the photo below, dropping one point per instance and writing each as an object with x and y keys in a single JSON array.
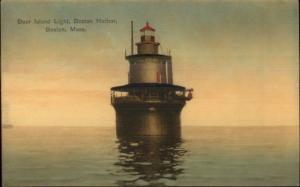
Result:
[{"x": 148, "y": 93}]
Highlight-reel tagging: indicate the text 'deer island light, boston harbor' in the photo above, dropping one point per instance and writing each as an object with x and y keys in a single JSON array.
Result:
[{"x": 150, "y": 104}]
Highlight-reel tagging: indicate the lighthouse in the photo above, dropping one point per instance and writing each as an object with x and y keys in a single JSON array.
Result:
[{"x": 150, "y": 104}]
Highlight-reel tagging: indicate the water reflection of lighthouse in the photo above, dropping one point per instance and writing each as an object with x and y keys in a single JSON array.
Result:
[
  {"x": 150, "y": 104},
  {"x": 150, "y": 160}
]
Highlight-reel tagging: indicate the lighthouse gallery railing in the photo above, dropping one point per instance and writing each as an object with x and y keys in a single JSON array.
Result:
[{"x": 175, "y": 98}]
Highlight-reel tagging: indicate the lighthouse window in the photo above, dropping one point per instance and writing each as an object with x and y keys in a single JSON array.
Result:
[
  {"x": 149, "y": 33},
  {"x": 179, "y": 93},
  {"x": 152, "y": 38}
]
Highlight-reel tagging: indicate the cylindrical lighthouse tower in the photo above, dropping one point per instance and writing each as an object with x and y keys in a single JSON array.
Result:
[
  {"x": 148, "y": 66},
  {"x": 150, "y": 104}
]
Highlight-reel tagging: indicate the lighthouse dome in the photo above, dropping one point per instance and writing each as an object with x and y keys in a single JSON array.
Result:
[{"x": 147, "y": 27}]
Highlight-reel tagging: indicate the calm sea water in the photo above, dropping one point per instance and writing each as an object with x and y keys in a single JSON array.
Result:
[{"x": 57, "y": 156}]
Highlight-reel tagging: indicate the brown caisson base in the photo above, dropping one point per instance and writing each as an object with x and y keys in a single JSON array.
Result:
[{"x": 148, "y": 120}]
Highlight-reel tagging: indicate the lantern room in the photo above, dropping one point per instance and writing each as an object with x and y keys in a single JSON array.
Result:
[
  {"x": 147, "y": 33},
  {"x": 147, "y": 45}
]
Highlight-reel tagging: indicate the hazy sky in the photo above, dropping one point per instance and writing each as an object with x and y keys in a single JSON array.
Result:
[{"x": 241, "y": 58}]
